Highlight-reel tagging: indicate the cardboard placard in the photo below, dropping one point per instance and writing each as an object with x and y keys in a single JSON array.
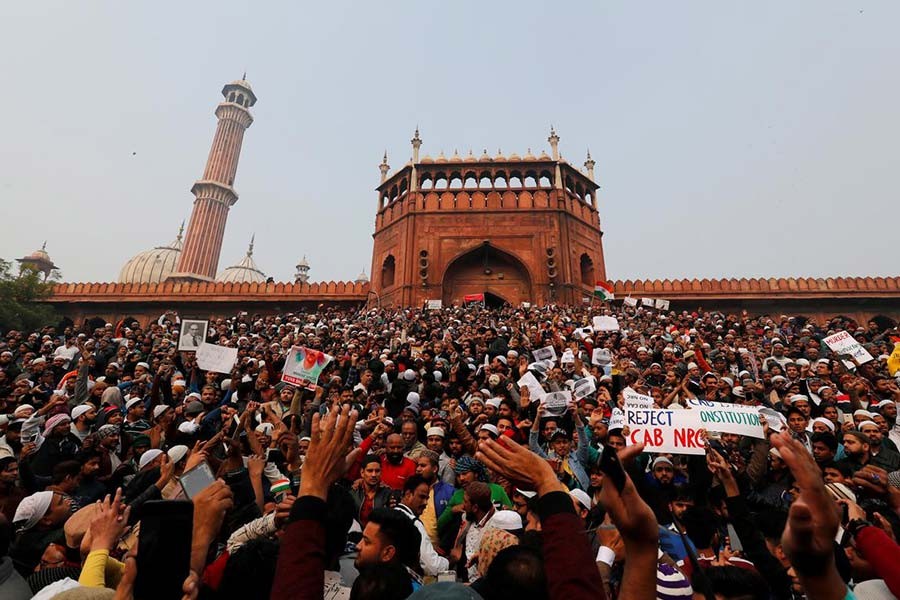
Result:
[
  {"x": 844, "y": 343},
  {"x": 546, "y": 353},
  {"x": 605, "y": 323},
  {"x": 661, "y": 430},
  {"x": 219, "y": 359}
]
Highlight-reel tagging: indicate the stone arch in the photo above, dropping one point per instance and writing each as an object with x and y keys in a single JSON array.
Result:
[
  {"x": 486, "y": 268},
  {"x": 586, "y": 266},
  {"x": 388, "y": 271}
]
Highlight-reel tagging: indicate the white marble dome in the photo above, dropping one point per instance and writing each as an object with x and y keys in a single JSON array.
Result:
[
  {"x": 245, "y": 271},
  {"x": 153, "y": 266}
]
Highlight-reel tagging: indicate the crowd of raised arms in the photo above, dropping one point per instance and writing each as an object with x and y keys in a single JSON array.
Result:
[{"x": 420, "y": 465}]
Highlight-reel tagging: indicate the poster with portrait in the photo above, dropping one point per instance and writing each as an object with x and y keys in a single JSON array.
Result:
[
  {"x": 303, "y": 366},
  {"x": 192, "y": 335}
]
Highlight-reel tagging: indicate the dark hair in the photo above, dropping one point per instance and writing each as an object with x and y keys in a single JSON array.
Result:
[
  {"x": 517, "y": 572},
  {"x": 843, "y": 468},
  {"x": 700, "y": 525},
  {"x": 480, "y": 495},
  {"x": 859, "y": 435},
  {"x": 771, "y": 524},
  {"x": 398, "y": 531},
  {"x": 382, "y": 581},
  {"x": 735, "y": 582},
  {"x": 67, "y": 468},
  {"x": 6, "y": 535},
  {"x": 827, "y": 438},
  {"x": 370, "y": 458},
  {"x": 250, "y": 570},
  {"x": 412, "y": 483}
]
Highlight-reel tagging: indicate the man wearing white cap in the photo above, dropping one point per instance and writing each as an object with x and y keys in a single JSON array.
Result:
[
  {"x": 134, "y": 422},
  {"x": 38, "y": 520},
  {"x": 83, "y": 417}
]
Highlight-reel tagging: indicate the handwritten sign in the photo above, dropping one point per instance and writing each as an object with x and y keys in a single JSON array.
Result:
[
  {"x": 219, "y": 359},
  {"x": 434, "y": 304},
  {"x": 844, "y": 343},
  {"x": 616, "y": 419},
  {"x": 303, "y": 366},
  {"x": 606, "y": 323},
  {"x": 728, "y": 418},
  {"x": 660, "y": 430},
  {"x": 636, "y": 400},
  {"x": 548, "y": 353}
]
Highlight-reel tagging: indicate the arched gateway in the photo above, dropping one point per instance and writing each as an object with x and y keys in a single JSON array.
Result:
[{"x": 487, "y": 270}]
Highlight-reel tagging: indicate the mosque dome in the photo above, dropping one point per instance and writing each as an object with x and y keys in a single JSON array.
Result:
[
  {"x": 154, "y": 265},
  {"x": 441, "y": 158},
  {"x": 427, "y": 160},
  {"x": 245, "y": 271},
  {"x": 456, "y": 157},
  {"x": 362, "y": 277}
]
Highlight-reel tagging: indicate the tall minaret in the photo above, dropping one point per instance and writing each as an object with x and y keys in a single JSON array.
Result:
[{"x": 214, "y": 192}]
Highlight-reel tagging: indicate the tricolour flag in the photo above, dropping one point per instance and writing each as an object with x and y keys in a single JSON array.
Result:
[{"x": 604, "y": 291}]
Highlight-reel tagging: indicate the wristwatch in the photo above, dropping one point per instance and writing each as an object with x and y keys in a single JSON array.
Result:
[{"x": 855, "y": 525}]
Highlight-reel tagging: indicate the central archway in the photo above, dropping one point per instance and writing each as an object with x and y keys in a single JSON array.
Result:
[{"x": 487, "y": 270}]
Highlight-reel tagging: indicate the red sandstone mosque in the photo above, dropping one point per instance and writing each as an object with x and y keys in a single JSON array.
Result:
[{"x": 512, "y": 228}]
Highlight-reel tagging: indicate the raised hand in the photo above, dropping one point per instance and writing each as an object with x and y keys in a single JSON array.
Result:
[
  {"x": 520, "y": 465},
  {"x": 325, "y": 464}
]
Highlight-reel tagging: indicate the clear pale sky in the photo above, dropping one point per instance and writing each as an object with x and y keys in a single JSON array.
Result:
[{"x": 751, "y": 140}]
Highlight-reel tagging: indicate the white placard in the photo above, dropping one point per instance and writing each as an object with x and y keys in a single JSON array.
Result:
[
  {"x": 648, "y": 302},
  {"x": 557, "y": 403},
  {"x": 601, "y": 357},
  {"x": 843, "y": 343},
  {"x": 434, "y": 304},
  {"x": 662, "y": 304},
  {"x": 567, "y": 358},
  {"x": 219, "y": 359},
  {"x": 773, "y": 418},
  {"x": 582, "y": 332},
  {"x": 728, "y": 418},
  {"x": 636, "y": 400},
  {"x": 661, "y": 430},
  {"x": 535, "y": 391},
  {"x": 616, "y": 419},
  {"x": 629, "y": 301},
  {"x": 606, "y": 323},
  {"x": 584, "y": 387},
  {"x": 548, "y": 353}
]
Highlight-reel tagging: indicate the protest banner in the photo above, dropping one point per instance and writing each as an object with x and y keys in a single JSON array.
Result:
[
  {"x": 303, "y": 366},
  {"x": 844, "y": 343},
  {"x": 728, "y": 418},
  {"x": 601, "y": 357},
  {"x": 636, "y": 400},
  {"x": 219, "y": 359},
  {"x": 547, "y": 353},
  {"x": 661, "y": 430},
  {"x": 606, "y": 323},
  {"x": 584, "y": 388},
  {"x": 536, "y": 392}
]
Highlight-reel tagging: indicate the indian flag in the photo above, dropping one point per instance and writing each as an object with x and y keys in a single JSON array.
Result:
[
  {"x": 280, "y": 486},
  {"x": 604, "y": 291}
]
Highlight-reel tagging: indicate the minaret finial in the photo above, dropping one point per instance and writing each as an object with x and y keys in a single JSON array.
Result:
[
  {"x": 244, "y": 76},
  {"x": 44, "y": 246},
  {"x": 589, "y": 165},
  {"x": 554, "y": 143},
  {"x": 250, "y": 249}
]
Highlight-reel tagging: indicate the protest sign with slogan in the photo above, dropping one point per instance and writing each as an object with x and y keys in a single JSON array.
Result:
[
  {"x": 303, "y": 366},
  {"x": 844, "y": 343},
  {"x": 434, "y": 304},
  {"x": 648, "y": 302},
  {"x": 548, "y": 353},
  {"x": 616, "y": 419},
  {"x": 636, "y": 400},
  {"x": 728, "y": 418},
  {"x": 629, "y": 301},
  {"x": 535, "y": 391},
  {"x": 606, "y": 323},
  {"x": 219, "y": 359},
  {"x": 661, "y": 430},
  {"x": 662, "y": 304}
]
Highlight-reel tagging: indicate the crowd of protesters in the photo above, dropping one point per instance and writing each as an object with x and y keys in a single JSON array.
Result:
[{"x": 416, "y": 466}]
